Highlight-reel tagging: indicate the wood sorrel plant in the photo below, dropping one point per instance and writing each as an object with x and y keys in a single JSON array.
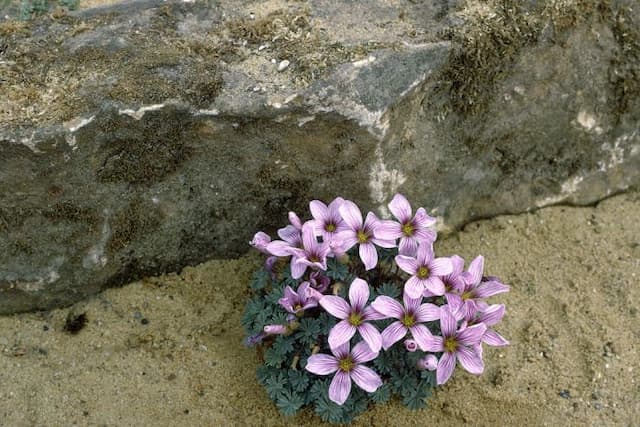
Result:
[{"x": 342, "y": 301}]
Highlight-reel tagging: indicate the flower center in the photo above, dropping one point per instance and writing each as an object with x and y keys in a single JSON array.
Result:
[
  {"x": 450, "y": 344},
  {"x": 362, "y": 237},
  {"x": 467, "y": 295},
  {"x": 355, "y": 319},
  {"x": 297, "y": 307},
  {"x": 408, "y": 229},
  {"x": 423, "y": 272},
  {"x": 408, "y": 320},
  {"x": 314, "y": 258},
  {"x": 330, "y": 227},
  {"x": 346, "y": 364}
]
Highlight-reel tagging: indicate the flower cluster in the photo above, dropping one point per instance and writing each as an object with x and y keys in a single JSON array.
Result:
[{"x": 367, "y": 301}]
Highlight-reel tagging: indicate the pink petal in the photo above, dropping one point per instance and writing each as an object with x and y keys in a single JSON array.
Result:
[
  {"x": 424, "y": 254},
  {"x": 347, "y": 239},
  {"x": 425, "y": 236},
  {"x": 408, "y": 246},
  {"x": 400, "y": 208},
  {"x": 411, "y": 304},
  {"x": 297, "y": 268},
  {"x": 309, "y": 240},
  {"x": 321, "y": 364},
  {"x": 458, "y": 264},
  {"x": 429, "y": 362},
  {"x": 492, "y": 315},
  {"x": 470, "y": 360},
  {"x": 414, "y": 287},
  {"x": 336, "y": 306},
  {"x": 384, "y": 243},
  {"x": 368, "y": 255},
  {"x": 362, "y": 353},
  {"x": 487, "y": 289},
  {"x": 440, "y": 266},
  {"x": 366, "y": 378},
  {"x": 279, "y": 248},
  {"x": 341, "y": 333},
  {"x": 319, "y": 210},
  {"x": 290, "y": 234},
  {"x": 371, "y": 222},
  {"x": 341, "y": 351},
  {"x": 427, "y": 312},
  {"x": 407, "y": 264},
  {"x": 448, "y": 323},
  {"x": 388, "y": 307},
  {"x": 446, "y": 365},
  {"x": 422, "y": 219},
  {"x": 435, "y": 285},
  {"x": 392, "y": 334},
  {"x": 475, "y": 270},
  {"x": 358, "y": 294},
  {"x": 494, "y": 339},
  {"x": 340, "y": 387},
  {"x": 432, "y": 343},
  {"x": 371, "y": 336},
  {"x": 422, "y": 336},
  {"x": 295, "y": 220},
  {"x": 388, "y": 230},
  {"x": 471, "y": 335},
  {"x": 370, "y": 313},
  {"x": 351, "y": 214}
]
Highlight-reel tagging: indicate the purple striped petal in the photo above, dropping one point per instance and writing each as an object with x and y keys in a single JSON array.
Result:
[
  {"x": 408, "y": 246},
  {"x": 370, "y": 313},
  {"x": 487, "y": 289},
  {"x": 321, "y": 364},
  {"x": 388, "y": 230},
  {"x": 492, "y": 315},
  {"x": 392, "y": 334},
  {"x": 424, "y": 254},
  {"x": 475, "y": 270},
  {"x": 297, "y": 268},
  {"x": 407, "y": 264},
  {"x": 358, "y": 294},
  {"x": 458, "y": 265},
  {"x": 351, "y": 214},
  {"x": 309, "y": 240},
  {"x": 446, "y": 365},
  {"x": 388, "y": 307},
  {"x": 435, "y": 285},
  {"x": 414, "y": 287},
  {"x": 384, "y": 243},
  {"x": 440, "y": 266},
  {"x": 421, "y": 335},
  {"x": 427, "y": 312},
  {"x": 336, "y": 306},
  {"x": 470, "y": 360},
  {"x": 341, "y": 351},
  {"x": 411, "y": 304},
  {"x": 425, "y": 236},
  {"x": 319, "y": 211},
  {"x": 471, "y": 335},
  {"x": 400, "y": 208},
  {"x": 432, "y": 343},
  {"x": 448, "y": 324},
  {"x": 341, "y": 333},
  {"x": 340, "y": 387},
  {"x": 494, "y": 339},
  {"x": 362, "y": 353},
  {"x": 422, "y": 219},
  {"x": 368, "y": 255},
  {"x": 279, "y": 248},
  {"x": 371, "y": 336},
  {"x": 290, "y": 234},
  {"x": 366, "y": 378}
]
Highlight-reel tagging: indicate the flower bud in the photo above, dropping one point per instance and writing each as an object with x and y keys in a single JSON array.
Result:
[
  {"x": 275, "y": 329},
  {"x": 260, "y": 242},
  {"x": 410, "y": 345},
  {"x": 429, "y": 363},
  {"x": 295, "y": 221}
]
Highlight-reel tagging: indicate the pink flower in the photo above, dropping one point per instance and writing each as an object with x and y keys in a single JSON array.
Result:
[
  {"x": 361, "y": 233},
  {"x": 410, "y": 318},
  {"x": 455, "y": 344},
  {"x": 312, "y": 254},
  {"x": 297, "y": 302},
  {"x": 327, "y": 220},
  {"x": 425, "y": 271},
  {"x": 411, "y": 230},
  {"x": 491, "y": 316},
  {"x": 467, "y": 301},
  {"x": 347, "y": 366},
  {"x": 354, "y": 316},
  {"x": 260, "y": 242}
]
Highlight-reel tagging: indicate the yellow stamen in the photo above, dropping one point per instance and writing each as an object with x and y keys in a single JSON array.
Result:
[
  {"x": 346, "y": 364},
  {"x": 355, "y": 319},
  {"x": 450, "y": 344},
  {"x": 408, "y": 320},
  {"x": 408, "y": 229},
  {"x": 423, "y": 272},
  {"x": 362, "y": 237},
  {"x": 330, "y": 227}
]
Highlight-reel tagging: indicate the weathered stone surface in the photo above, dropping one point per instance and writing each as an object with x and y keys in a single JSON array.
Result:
[{"x": 140, "y": 138}]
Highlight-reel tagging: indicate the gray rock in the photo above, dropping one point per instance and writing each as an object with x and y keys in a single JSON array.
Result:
[{"x": 140, "y": 138}]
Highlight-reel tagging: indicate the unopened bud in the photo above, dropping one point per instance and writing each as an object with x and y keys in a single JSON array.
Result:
[
  {"x": 429, "y": 363},
  {"x": 410, "y": 345}
]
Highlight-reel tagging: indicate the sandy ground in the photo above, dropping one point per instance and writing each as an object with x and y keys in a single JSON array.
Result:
[{"x": 167, "y": 351}]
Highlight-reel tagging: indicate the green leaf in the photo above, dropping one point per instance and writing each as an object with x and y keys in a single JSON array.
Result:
[
  {"x": 299, "y": 380},
  {"x": 389, "y": 289},
  {"x": 283, "y": 345},
  {"x": 382, "y": 394},
  {"x": 336, "y": 270},
  {"x": 289, "y": 402},
  {"x": 260, "y": 280},
  {"x": 276, "y": 384},
  {"x": 309, "y": 331}
]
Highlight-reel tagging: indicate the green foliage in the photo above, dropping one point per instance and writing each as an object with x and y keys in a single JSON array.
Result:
[
  {"x": 336, "y": 270},
  {"x": 389, "y": 289},
  {"x": 260, "y": 279},
  {"x": 31, "y": 8},
  {"x": 289, "y": 402}
]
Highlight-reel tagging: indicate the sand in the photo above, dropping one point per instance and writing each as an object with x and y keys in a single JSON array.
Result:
[{"x": 167, "y": 350}]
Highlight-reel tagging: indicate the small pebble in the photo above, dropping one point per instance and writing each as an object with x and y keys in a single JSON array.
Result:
[
  {"x": 144, "y": 321},
  {"x": 283, "y": 65},
  {"x": 564, "y": 394}
]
